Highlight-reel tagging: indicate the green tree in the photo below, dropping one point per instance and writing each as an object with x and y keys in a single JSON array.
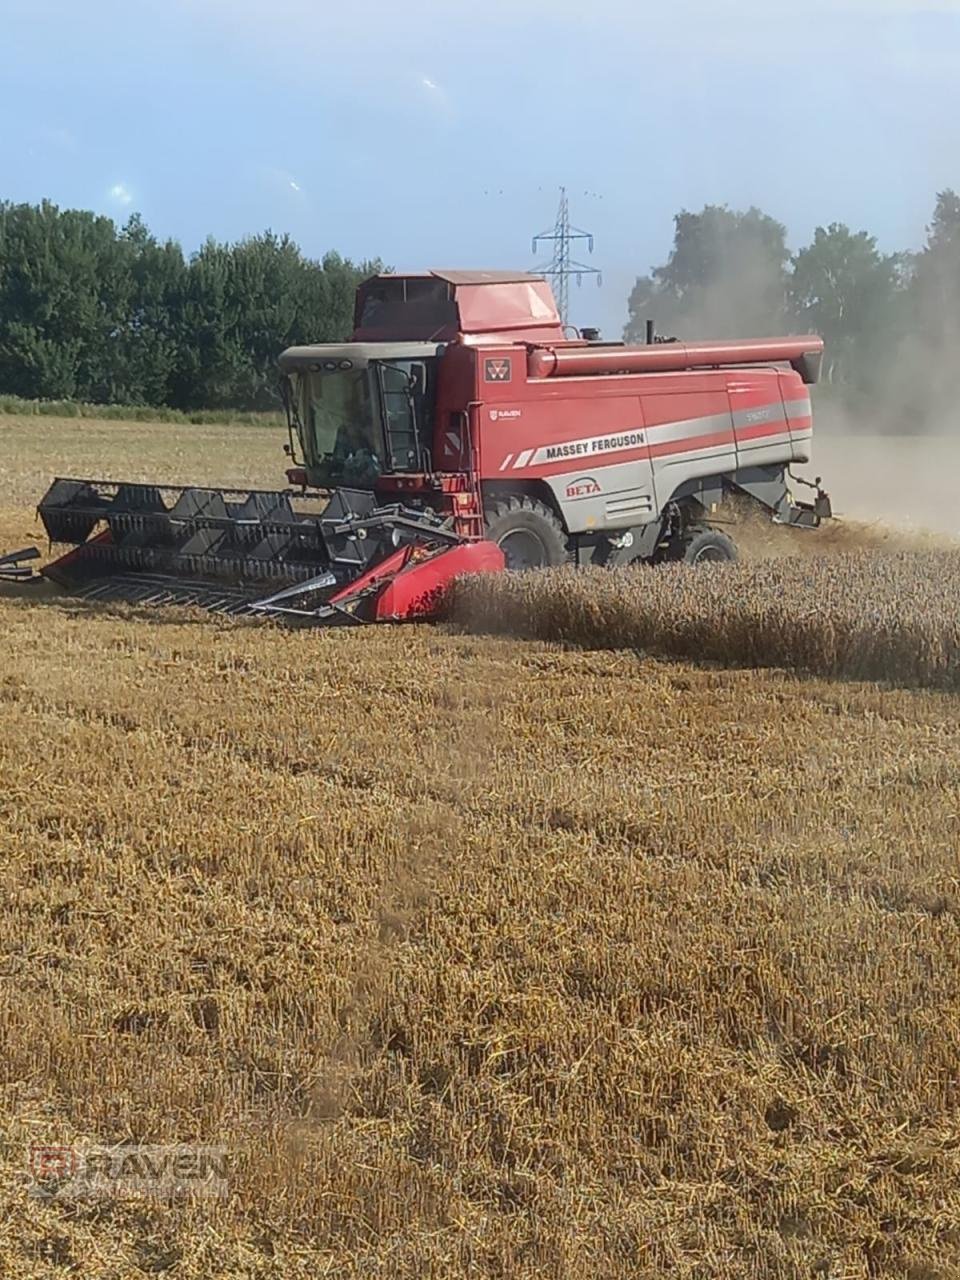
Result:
[
  {"x": 242, "y": 305},
  {"x": 51, "y": 270},
  {"x": 85, "y": 312},
  {"x": 919, "y": 388},
  {"x": 91, "y": 312},
  {"x": 143, "y": 353},
  {"x": 843, "y": 288},
  {"x": 725, "y": 277},
  {"x": 209, "y": 362},
  {"x": 264, "y": 295},
  {"x": 935, "y": 284}
]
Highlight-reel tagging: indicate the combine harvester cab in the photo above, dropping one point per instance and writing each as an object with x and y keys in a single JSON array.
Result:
[{"x": 459, "y": 430}]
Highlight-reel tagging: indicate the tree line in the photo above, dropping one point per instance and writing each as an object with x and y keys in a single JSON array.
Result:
[
  {"x": 890, "y": 321},
  {"x": 90, "y": 311}
]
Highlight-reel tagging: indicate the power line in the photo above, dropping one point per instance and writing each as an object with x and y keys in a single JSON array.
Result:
[{"x": 563, "y": 265}]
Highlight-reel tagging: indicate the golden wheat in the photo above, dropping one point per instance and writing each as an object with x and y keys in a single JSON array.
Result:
[
  {"x": 481, "y": 957},
  {"x": 863, "y": 615}
]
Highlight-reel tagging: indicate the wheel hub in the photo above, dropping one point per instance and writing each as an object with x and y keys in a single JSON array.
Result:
[
  {"x": 522, "y": 549},
  {"x": 709, "y": 553}
]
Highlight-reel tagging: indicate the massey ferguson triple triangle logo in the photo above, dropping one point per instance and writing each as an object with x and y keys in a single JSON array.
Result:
[{"x": 497, "y": 369}]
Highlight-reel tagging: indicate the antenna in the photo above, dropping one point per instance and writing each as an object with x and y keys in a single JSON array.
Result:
[{"x": 563, "y": 266}]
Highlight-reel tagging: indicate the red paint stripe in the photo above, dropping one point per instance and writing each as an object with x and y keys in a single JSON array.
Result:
[
  {"x": 711, "y": 440},
  {"x": 761, "y": 430}
]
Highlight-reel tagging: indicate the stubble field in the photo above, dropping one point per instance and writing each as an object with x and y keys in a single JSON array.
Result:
[{"x": 481, "y": 955}]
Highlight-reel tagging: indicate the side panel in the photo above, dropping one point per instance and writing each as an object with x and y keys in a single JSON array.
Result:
[
  {"x": 799, "y": 412},
  {"x": 691, "y": 434},
  {"x": 613, "y": 496},
  {"x": 613, "y": 450},
  {"x": 583, "y": 438},
  {"x": 760, "y": 419}
]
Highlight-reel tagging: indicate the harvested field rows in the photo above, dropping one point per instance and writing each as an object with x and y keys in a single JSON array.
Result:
[
  {"x": 869, "y": 615},
  {"x": 476, "y": 954},
  {"x": 482, "y": 956},
  {"x": 35, "y": 449}
]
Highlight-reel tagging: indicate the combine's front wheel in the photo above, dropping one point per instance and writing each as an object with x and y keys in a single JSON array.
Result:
[{"x": 527, "y": 532}]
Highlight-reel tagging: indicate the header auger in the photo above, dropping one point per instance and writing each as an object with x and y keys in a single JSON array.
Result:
[{"x": 458, "y": 431}]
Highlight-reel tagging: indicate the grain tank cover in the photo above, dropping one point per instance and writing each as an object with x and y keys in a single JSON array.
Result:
[{"x": 441, "y": 306}]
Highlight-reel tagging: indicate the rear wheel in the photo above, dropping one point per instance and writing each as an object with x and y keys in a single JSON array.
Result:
[
  {"x": 702, "y": 545},
  {"x": 527, "y": 532}
]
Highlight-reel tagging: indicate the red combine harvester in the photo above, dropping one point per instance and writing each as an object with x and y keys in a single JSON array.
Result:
[{"x": 459, "y": 431}]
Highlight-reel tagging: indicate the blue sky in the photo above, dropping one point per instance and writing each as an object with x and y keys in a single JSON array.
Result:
[{"x": 439, "y": 133}]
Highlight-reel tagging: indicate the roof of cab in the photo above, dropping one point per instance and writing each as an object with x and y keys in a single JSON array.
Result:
[{"x": 461, "y": 277}]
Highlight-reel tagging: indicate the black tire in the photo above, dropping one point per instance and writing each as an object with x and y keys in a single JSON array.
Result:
[
  {"x": 702, "y": 545},
  {"x": 527, "y": 531}
]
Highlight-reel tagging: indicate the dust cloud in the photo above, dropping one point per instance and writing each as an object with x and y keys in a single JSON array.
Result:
[
  {"x": 901, "y": 478},
  {"x": 891, "y": 491}
]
